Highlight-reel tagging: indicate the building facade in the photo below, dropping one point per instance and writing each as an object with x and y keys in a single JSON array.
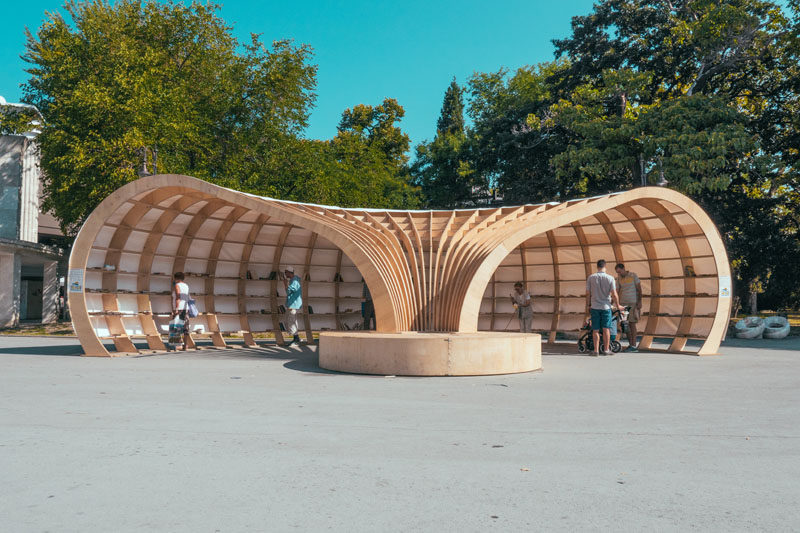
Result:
[{"x": 31, "y": 269}]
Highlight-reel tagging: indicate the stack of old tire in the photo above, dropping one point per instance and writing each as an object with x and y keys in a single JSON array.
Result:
[{"x": 754, "y": 327}]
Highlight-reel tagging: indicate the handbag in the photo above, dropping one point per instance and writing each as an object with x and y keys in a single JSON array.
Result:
[
  {"x": 176, "y": 329},
  {"x": 192, "y": 309}
]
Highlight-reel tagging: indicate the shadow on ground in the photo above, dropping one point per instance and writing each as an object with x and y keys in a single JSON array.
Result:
[
  {"x": 787, "y": 343},
  {"x": 302, "y": 358},
  {"x": 57, "y": 349}
]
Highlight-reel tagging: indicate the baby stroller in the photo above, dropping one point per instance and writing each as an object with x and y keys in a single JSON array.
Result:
[{"x": 586, "y": 340}]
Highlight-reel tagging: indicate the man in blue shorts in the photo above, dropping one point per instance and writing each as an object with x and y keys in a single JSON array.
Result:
[{"x": 600, "y": 294}]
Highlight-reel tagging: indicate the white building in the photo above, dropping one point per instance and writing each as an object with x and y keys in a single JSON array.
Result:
[{"x": 30, "y": 269}]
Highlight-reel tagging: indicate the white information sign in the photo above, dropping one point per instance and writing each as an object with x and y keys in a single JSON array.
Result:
[
  {"x": 76, "y": 280},
  {"x": 724, "y": 286}
]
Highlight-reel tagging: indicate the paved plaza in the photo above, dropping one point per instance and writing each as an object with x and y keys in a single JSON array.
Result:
[{"x": 264, "y": 440}]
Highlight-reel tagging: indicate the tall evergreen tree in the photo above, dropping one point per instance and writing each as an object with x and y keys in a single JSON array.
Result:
[
  {"x": 442, "y": 168},
  {"x": 451, "y": 120}
]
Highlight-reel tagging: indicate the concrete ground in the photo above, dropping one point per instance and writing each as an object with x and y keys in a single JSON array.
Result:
[{"x": 264, "y": 440}]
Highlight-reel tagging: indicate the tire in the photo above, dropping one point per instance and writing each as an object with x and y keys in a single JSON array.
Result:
[
  {"x": 751, "y": 327},
  {"x": 776, "y": 327},
  {"x": 615, "y": 346},
  {"x": 582, "y": 346}
]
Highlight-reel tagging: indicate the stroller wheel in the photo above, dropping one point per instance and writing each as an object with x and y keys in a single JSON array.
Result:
[
  {"x": 615, "y": 346},
  {"x": 581, "y": 346}
]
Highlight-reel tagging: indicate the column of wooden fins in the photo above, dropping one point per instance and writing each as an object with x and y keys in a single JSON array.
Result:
[
  {"x": 399, "y": 268},
  {"x": 336, "y": 280},
  {"x": 551, "y": 239},
  {"x": 306, "y": 282},
  {"x": 431, "y": 304},
  {"x": 424, "y": 324},
  {"x": 411, "y": 255},
  {"x": 453, "y": 252},
  {"x": 247, "y": 250},
  {"x": 276, "y": 264},
  {"x": 494, "y": 303}
]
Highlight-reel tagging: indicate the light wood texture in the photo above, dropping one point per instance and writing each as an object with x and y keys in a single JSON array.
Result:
[
  {"x": 427, "y": 271},
  {"x": 430, "y": 354}
]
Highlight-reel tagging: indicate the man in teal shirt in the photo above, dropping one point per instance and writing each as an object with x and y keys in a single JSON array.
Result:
[{"x": 294, "y": 301}]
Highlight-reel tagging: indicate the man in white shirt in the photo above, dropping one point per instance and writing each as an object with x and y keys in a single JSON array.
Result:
[{"x": 600, "y": 294}]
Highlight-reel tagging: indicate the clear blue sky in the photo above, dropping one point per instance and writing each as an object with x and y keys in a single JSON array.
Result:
[{"x": 367, "y": 50}]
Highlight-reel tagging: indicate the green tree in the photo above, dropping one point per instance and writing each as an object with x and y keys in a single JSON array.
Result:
[
  {"x": 618, "y": 142},
  {"x": 451, "y": 119},
  {"x": 721, "y": 103},
  {"x": 16, "y": 120},
  {"x": 368, "y": 158},
  {"x": 116, "y": 82},
  {"x": 507, "y": 153},
  {"x": 442, "y": 168}
]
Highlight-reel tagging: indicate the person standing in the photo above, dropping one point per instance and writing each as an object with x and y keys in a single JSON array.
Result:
[
  {"x": 521, "y": 300},
  {"x": 179, "y": 325},
  {"x": 600, "y": 294},
  {"x": 369, "y": 308},
  {"x": 294, "y": 301},
  {"x": 630, "y": 294}
]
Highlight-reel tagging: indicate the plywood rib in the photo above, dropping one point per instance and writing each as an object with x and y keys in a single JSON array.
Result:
[
  {"x": 655, "y": 276},
  {"x": 305, "y": 287},
  {"x": 557, "y": 287},
  {"x": 211, "y": 270},
  {"x": 180, "y": 204},
  {"x": 244, "y": 276},
  {"x": 179, "y": 265},
  {"x": 687, "y": 265},
  {"x": 427, "y": 271},
  {"x": 273, "y": 293}
]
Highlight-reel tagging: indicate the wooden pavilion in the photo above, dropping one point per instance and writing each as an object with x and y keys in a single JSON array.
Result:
[{"x": 428, "y": 271}]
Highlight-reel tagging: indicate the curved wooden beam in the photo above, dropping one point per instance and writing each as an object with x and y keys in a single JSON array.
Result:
[{"x": 427, "y": 271}]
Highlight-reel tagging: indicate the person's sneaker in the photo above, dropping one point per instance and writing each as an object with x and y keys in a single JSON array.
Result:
[
  {"x": 595, "y": 354},
  {"x": 631, "y": 349},
  {"x": 607, "y": 352},
  {"x": 295, "y": 342}
]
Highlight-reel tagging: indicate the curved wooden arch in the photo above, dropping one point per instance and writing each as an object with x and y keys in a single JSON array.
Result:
[
  {"x": 531, "y": 226},
  {"x": 426, "y": 270}
]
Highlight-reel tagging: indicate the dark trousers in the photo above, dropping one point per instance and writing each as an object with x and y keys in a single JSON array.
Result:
[{"x": 369, "y": 313}]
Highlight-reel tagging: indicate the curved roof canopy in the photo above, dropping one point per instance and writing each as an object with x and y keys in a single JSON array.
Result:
[{"x": 426, "y": 270}]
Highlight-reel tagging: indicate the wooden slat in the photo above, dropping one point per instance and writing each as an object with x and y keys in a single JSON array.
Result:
[{"x": 273, "y": 293}]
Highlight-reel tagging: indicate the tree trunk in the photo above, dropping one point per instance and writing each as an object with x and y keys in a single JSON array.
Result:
[{"x": 753, "y": 304}]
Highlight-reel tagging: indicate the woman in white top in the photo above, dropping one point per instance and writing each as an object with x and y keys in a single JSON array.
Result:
[
  {"x": 521, "y": 300},
  {"x": 180, "y": 306}
]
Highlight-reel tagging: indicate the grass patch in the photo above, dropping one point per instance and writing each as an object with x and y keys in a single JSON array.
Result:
[{"x": 57, "y": 329}]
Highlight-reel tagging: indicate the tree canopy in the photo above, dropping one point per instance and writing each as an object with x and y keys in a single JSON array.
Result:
[
  {"x": 697, "y": 95},
  {"x": 138, "y": 83}
]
